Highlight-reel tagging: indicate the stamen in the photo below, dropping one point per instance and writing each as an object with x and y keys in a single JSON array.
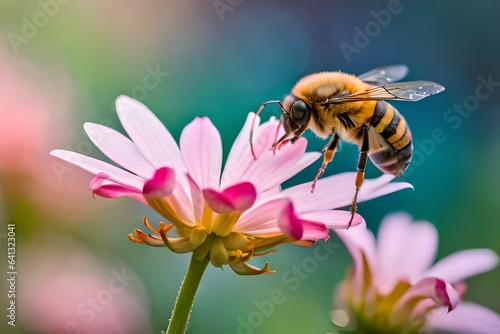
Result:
[{"x": 149, "y": 226}]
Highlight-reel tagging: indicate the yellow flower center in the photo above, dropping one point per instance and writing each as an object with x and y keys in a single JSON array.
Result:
[
  {"x": 212, "y": 236},
  {"x": 369, "y": 311}
]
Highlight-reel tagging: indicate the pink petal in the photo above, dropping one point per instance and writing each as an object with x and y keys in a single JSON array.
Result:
[
  {"x": 299, "y": 228},
  {"x": 95, "y": 167},
  {"x": 262, "y": 218},
  {"x": 243, "y": 195},
  {"x": 182, "y": 193},
  {"x": 271, "y": 168},
  {"x": 359, "y": 239},
  {"x": 239, "y": 157},
  {"x": 464, "y": 264},
  {"x": 438, "y": 290},
  {"x": 380, "y": 186},
  {"x": 360, "y": 243},
  {"x": 333, "y": 218},
  {"x": 306, "y": 160},
  {"x": 269, "y": 194},
  {"x": 119, "y": 148},
  {"x": 239, "y": 197},
  {"x": 115, "y": 191},
  {"x": 314, "y": 230},
  {"x": 328, "y": 193},
  {"x": 289, "y": 223},
  {"x": 201, "y": 150},
  {"x": 266, "y": 135},
  {"x": 465, "y": 318},
  {"x": 162, "y": 184},
  {"x": 101, "y": 186},
  {"x": 405, "y": 250},
  {"x": 218, "y": 202},
  {"x": 153, "y": 140},
  {"x": 337, "y": 191},
  {"x": 197, "y": 199}
]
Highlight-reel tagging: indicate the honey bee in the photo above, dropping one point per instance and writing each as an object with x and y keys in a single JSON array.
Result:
[{"x": 345, "y": 107}]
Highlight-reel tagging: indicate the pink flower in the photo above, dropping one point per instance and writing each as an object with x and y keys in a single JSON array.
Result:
[
  {"x": 229, "y": 217},
  {"x": 65, "y": 289},
  {"x": 29, "y": 113},
  {"x": 393, "y": 288}
]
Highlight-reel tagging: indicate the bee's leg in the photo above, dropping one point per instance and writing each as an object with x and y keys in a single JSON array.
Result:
[
  {"x": 360, "y": 175},
  {"x": 328, "y": 153},
  {"x": 262, "y": 106},
  {"x": 278, "y": 142}
]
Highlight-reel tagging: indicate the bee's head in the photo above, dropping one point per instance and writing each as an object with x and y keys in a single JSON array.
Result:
[{"x": 295, "y": 118}]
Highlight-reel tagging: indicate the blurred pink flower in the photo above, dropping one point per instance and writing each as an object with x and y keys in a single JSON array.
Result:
[
  {"x": 229, "y": 217},
  {"x": 34, "y": 117},
  {"x": 393, "y": 288},
  {"x": 64, "y": 289}
]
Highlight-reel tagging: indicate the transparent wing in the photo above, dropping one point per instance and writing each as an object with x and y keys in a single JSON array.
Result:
[
  {"x": 376, "y": 140},
  {"x": 400, "y": 91},
  {"x": 384, "y": 75}
]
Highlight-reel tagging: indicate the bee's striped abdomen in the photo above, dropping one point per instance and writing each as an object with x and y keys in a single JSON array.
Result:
[{"x": 391, "y": 125}]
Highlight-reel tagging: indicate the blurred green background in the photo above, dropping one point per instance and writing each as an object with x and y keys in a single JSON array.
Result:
[{"x": 63, "y": 63}]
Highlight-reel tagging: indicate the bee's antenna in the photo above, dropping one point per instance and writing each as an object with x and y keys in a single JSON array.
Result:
[{"x": 262, "y": 106}]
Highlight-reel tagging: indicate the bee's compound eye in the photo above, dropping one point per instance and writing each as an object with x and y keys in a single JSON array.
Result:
[{"x": 300, "y": 112}]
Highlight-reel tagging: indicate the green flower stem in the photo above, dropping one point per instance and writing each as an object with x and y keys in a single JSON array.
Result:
[{"x": 184, "y": 302}]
